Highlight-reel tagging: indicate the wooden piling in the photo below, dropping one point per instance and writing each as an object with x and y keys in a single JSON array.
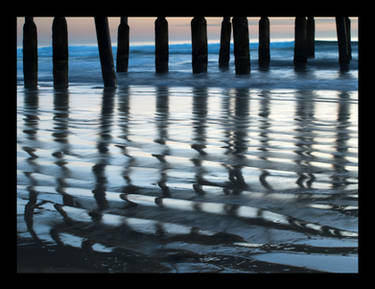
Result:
[
  {"x": 122, "y": 46},
  {"x": 348, "y": 29},
  {"x": 161, "y": 45},
  {"x": 241, "y": 45},
  {"x": 224, "y": 54},
  {"x": 30, "y": 53},
  {"x": 310, "y": 37},
  {"x": 300, "y": 52},
  {"x": 60, "y": 52},
  {"x": 199, "y": 44},
  {"x": 264, "y": 41},
  {"x": 105, "y": 51},
  {"x": 342, "y": 38}
]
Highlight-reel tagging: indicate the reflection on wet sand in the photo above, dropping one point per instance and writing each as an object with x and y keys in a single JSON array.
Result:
[
  {"x": 263, "y": 133},
  {"x": 247, "y": 214},
  {"x": 60, "y": 136},
  {"x": 199, "y": 135},
  {"x": 161, "y": 120},
  {"x": 235, "y": 132},
  {"x": 31, "y": 119},
  {"x": 102, "y": 146},
  {"x": 339, "y": 178},
  {"x": 305, "y": 137},
  {"x": 125, "y": 123}
]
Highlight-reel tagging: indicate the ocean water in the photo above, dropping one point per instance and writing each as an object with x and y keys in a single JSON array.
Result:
[{"x": 182, "y": 173}]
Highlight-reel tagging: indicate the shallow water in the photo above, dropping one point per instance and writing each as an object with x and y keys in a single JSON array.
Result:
[
  {"x": 148, "y": 178},
  {"x": 189, "y": 173}
]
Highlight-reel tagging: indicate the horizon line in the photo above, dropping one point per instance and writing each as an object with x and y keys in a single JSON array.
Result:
[{"x": 174, "y": 42}]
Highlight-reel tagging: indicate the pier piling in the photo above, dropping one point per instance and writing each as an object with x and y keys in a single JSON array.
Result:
[
  {"x": 199, "y": 44},
  {"x": 224, "y": 54},
  {"x": 105, "y": 51},
  {"x": 122, "y": 46},
  {"x": 264, "y": 42},
  {"x": 161, "y": 45},
  {"x": 304, "y": 46},
  {"x": 342, "y": 38},
  {"x": 300, "y": 37},
  {"x": 60, "y": 52},
  {"x": 310, "y": 37},
  {"x": 347, "y": 21},
  {"x": 30, "y": 53},
  {"x": 241, "y": 45}
]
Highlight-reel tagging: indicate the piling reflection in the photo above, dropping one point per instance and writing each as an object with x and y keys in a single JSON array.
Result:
[
  {"x": 340, "y": 176},
  {"x": 161, "y": 120},
  {"x": 240, "y": 143},
  {"x": 235, "y": 131},
  {"x": 304, "y": 131},
  {"x": 199, "y": 135},
  {"x": 31, "y": 121},
  {"x": 264, "y": 127},
  {"x": 29, "y": 215},
  {"x": 102, "y": 145},
  {"x": 125, "y": 124},
  {"x": 60, "y": 117},
  {"x": 124, "y": 112},
  {"x": 227, "y": 131},
  {"x": 225, "y": 208},
  {"x": 31, "y": 101},
  {"x": 61, "y": 137}
]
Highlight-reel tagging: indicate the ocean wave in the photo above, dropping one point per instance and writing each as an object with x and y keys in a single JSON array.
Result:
[
  {"x": 322, "y": 72},
  {"x": 180, "y": 48}
]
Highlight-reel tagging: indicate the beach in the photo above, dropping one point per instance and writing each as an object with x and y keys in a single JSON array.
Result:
[{"x": 187, "y": 173}]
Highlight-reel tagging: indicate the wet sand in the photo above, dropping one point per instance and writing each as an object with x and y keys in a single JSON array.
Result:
[{"x": 187, "y": 179}]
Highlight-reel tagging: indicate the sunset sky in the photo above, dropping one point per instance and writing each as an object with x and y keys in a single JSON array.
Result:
[{"x": 81, "y": 30}]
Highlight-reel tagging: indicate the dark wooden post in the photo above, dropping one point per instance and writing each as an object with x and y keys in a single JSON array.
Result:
[
  {"x": 60, "y": 52},
  {"x": 122, "y": 46},
  {"x": 310, "y": 30},
  {"x": 224, "y": 54},
  {"x": 105, "y": 51},
  {"x": 241, "y": 45},
  {"x": 342, "y": 38},
  {"x": 264, "y": 41},
  {"x": 30, "y": 53},
  {"x": 199, "y": 44},
  {"x": 348, "y": 30},
  {"x": 300, "y": 41},
  {"x": 161, "y": 45}
]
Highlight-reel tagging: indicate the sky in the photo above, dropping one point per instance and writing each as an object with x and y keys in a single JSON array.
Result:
[{"x": 81, "y": 30}]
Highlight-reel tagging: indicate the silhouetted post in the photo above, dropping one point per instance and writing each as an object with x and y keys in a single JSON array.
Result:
[
  {"x": 105, "y": 51},
  {"x": 300, "y": 41},
  {"x": 224, "y": 54},
  {"x": 342, "y": 38},
  {"x": 30, "y": 53},
  {"x": 122, "y": 46},
  {"x": 241, "y": 45},
  {"x": 310, "y": 30},
  {"x": 264, "y": 41},
  {"x": 161, "y": 45},
  {"x": 347, "y": 20},
  {"x": 199, "y": 44},
  {"x": 60, "y": 52}
]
